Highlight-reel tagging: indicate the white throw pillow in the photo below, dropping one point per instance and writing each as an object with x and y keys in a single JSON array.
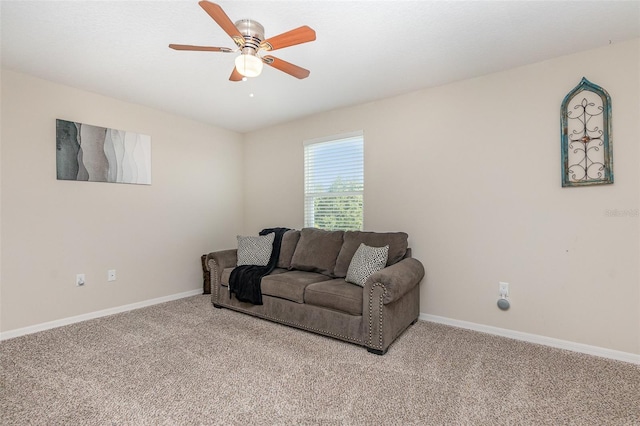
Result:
[
  {"x": 255, "y": 250},
  {"x": 365, "y": 262}
]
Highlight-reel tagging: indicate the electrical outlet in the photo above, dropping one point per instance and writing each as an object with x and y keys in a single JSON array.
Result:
[
  {"x": 504, "y": 289},
  {"x": 111, "y": 275},
  {"x": 80, "y": 280}
]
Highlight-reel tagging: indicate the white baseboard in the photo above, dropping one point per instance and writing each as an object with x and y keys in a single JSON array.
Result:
[
  {"x": 91, "y": 315},
  {"x": 534, "y": 338}
]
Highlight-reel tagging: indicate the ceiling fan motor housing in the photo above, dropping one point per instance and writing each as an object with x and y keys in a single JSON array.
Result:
[{"x": 253, "y": 33}]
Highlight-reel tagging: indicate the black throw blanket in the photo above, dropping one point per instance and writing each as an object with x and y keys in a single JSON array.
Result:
[{"x": 244, "y": 281}]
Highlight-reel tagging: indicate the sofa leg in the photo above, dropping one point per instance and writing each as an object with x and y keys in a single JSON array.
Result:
[
  {"x": 215, "y": 305},
  {"x": 414, "y": 321},
  {"x": 377, "y": 351}
]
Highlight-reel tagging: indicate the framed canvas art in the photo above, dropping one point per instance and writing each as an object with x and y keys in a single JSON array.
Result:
[{"x": 99, "y": 154}]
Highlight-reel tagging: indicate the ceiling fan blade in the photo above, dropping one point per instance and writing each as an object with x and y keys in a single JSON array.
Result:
[
  {"x": 235, "y": 75},
  {"x": 284, "y": 66},
  {"x": 200, "y": 48},
  {"x": 299, "y": 35},
  {"x": 223, "y": 20}
]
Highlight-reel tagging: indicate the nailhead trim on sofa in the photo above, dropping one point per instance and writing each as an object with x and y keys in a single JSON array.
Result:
[
  {"x": 216, "y": 275},
  {"x": 384, "y": 292}
]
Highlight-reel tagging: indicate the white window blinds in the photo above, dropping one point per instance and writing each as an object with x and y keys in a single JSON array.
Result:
[{"x": 334, "y": 182}]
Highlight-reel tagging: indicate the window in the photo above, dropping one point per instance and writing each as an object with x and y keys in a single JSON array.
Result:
[{"x": 334, "y": 182}]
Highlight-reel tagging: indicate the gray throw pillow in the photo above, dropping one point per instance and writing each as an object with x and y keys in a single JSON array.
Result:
[
  {"x": 255, "y": 250},
  {"x": 365, "y": 262}
]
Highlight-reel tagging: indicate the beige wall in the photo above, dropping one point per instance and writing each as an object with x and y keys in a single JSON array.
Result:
[
  {"x": 152, "y": 235},
  {"x": 471, "y": 171}
]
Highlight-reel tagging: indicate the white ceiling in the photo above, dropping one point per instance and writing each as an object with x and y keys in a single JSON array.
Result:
[{"x": 365, "y": 50}]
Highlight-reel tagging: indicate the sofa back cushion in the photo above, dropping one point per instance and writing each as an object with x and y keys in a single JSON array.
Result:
[
  {"x": 317, "y": 251},
  {"x": 397, "y": 242},
  {"x": 288, "y": 247}
]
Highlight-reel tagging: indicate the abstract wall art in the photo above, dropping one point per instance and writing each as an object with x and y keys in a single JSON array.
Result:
[{"x": 98, "y": 154}]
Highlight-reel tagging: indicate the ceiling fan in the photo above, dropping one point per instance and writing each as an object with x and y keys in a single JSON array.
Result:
[{"x": 248, "y": 36}]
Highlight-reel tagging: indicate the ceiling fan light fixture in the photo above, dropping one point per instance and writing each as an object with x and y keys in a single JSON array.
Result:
[{"x": 249, "y": 65}]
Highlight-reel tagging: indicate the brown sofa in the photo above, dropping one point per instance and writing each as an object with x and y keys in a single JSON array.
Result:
[{"x": 308, "y": 289}]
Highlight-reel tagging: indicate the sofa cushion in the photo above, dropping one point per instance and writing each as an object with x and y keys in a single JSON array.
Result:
[
  {"x": 335, "y": 294},
  {"x": 288, "y": 247},
  {"x": 255, "y": 250},
  {"x": 226, "y": 273},
  {"x": 317, "y": 251},
  {"x": 397, "y": 242},
  {"x": 289, "y": 285},
  {"x": 365, "y": 262}
]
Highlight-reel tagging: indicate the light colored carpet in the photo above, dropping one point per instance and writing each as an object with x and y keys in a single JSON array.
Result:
[{"x": 187, "y": 363}]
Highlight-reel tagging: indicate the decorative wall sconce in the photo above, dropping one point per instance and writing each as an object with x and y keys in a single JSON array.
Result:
[{"x": 587, "y": 152}]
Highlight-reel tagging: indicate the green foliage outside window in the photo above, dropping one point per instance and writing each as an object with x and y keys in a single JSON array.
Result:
[{"x": 341, "y": 208}]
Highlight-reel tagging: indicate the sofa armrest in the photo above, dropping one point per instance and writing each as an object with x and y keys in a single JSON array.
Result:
[
  {"x": 224, "y": 258},
  {"x": 220, "y": 260},
  {"x": 397, "y": 279}
]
